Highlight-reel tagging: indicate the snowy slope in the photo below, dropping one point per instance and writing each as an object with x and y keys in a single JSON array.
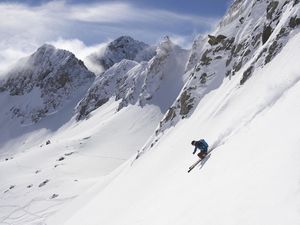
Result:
[
  {"x": 252, "y": 177},
  {"x": 37, "y": 180},
  {"x": 239, "y": 90}
]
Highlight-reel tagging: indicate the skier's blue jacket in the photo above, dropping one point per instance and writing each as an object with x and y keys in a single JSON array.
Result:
[{"x": 202, "y": 145}]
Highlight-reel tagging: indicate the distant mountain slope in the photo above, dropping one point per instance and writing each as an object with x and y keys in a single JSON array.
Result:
[
  {"x": 155, "y": 82},
  {"x": 42, "y": 83}
]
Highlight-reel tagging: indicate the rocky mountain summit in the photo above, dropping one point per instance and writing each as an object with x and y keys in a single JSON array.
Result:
[
  {"x": 157, "y": 81},
  {"x": 124, "y": 47},
  {"x": 41, "y": 83}
]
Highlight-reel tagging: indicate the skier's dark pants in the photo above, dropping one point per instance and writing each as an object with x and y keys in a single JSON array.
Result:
[{"x": 202, "y": 154}]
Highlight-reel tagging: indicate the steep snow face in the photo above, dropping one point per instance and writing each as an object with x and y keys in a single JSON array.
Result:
[
  {"x": 252, "y": 175},
  {"x": 42, "y": 84},
  {"x": 249, "y": 36},
  {"x": 123, "y": 48},
  {"x": 156, "y": 82}
]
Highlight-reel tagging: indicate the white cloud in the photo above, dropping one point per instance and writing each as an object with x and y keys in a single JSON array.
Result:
[
  {"x": 125, "y": 13},
  {"x": 79, "y": 27},
  {"x": 182, "y": 41},
  {"x": 82, "y": 51}
]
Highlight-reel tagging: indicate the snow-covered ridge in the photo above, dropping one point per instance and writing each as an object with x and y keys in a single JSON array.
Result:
[
  {"x": 241, "y": 45},
  {"x": 235, "y": 11},
  {"x": 49, "y": 77},
  {"x": 157, "y": 81},
  {"x": 124, "y": 47}
]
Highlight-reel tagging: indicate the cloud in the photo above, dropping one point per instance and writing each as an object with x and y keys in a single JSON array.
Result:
[
  {"x": 81, "y": 27},
  {"x": 127, "y": 13},
  {"x": 183, "y": 41},
  {"x": 82, "y": 51}
]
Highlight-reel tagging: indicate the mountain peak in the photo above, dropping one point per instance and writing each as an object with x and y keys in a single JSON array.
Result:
[
  {"x": 46, "y": 47},
  {"x": 50, "y": 75},
  {"x": 166, "y": 45},
  {"x": 124, "y": 47},
  {"x": 124, "y": 40},
  {"x": 166, "y": 38},
  {"x": 155, "y": 82}
]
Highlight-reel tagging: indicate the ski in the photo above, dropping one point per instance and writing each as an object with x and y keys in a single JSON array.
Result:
[
  {"x": 194, "y": 165},
  {"x": 198, "y": 161}
]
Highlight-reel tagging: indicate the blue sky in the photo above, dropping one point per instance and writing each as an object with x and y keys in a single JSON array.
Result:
[
  {"x": 143, "y": 19},
  {"x": 79, "y": 25},
  {"x": 200, "y": 7}
]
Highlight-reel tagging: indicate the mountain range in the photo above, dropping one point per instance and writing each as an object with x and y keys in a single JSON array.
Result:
[{"x": 114, "y": 147}]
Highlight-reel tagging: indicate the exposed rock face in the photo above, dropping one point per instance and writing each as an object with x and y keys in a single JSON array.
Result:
[
  {"x": 215, "y": 40},
  {"x": 158, "y": 81},
  {"x": 123, "y": 48},
  {"x": 271, "y": 9},
  {"x": 104, "y": 88},
  {"x": 266, "y": 33},
  {"x": 252, "y": 32},
  {"x": 51, "y": 76},
  {"x": 294, "y": 22}
]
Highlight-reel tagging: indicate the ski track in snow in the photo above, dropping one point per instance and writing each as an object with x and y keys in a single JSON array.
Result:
[
  {"x": 23, "y": 214},
  {"x": 70, "y": 144}
]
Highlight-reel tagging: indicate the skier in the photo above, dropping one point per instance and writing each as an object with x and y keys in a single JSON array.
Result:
[{"x": 202, "y": 145}]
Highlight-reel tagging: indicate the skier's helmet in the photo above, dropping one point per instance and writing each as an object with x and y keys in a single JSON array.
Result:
[{"x": 193, "y": 142}]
